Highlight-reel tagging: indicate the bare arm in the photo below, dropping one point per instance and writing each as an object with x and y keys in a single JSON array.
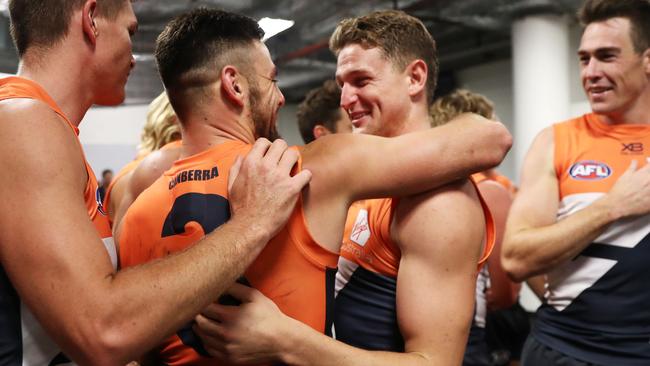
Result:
[
  {"x": 503, "y": 291},
  {"x": 535, "y": 242},
  {"x": 52, "y": 253},
  {"x": 435, "y": 297},
  {"x": 349, "y": 168}
]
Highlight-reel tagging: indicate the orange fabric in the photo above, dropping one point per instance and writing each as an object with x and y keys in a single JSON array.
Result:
[
  {"x": 367, "y": 240},
  {"x": 17, "y": 87},
  {"x": 590, "y": 155},
  {"x": 496, "y": 177},
  {"x": 291, "y": 270}
]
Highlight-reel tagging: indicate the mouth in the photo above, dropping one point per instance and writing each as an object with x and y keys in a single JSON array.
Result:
[
  {"x": 357, "y": 118},
  {"x": 598, "y": 91}
]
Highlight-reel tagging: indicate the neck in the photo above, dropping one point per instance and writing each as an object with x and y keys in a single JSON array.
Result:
[
  {"x": 416, "y": 119},
  {"x": 202, "y": 132},
  {"x": 71, "y": 94}
]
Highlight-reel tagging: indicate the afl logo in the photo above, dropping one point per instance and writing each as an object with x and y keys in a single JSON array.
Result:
[
  {"x": 98, "y": 199},
  {"x": 589, "y": 170}
]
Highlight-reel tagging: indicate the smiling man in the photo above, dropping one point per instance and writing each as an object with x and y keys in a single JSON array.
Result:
[{"x": 581, "y": 213}]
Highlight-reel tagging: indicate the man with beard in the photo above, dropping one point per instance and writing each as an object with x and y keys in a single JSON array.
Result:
[
  {"x": 221, "y": 82},
  {"x": 59, "y": 288}
]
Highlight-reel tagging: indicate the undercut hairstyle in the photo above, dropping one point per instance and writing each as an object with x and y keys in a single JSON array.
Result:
[
  {"x": 322, "y": 106},
  {"x": 637, "y": 11},
  {"x": 401, "y": 38},
  {"x": 161, "y": 126},
  {"x": 194, "y": 47},
  {"x": 44, "y": 23},
  {"x": 460, "y": 101}
]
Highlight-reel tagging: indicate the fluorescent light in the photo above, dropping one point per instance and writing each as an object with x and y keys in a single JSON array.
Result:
[
  {"x": 4, "y": 7},
  {"x": 272, "y": 26}
]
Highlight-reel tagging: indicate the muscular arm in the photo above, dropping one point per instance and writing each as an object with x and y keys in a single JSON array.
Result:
[
  {"x": 503, "y": 291},
  {"x": 350, "y": 167},
  {"x": 52, "y": 253},
  {"x": 435, "y": 296},
  {"x": 535, "y": 242}
]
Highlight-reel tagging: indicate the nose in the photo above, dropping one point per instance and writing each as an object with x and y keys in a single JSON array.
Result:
[
  {"x": 592, "y": 69},
  {"x": 348, "y": 97},
  {"x": 132, "y": 61},
  {"x": 281, "y": 100}
]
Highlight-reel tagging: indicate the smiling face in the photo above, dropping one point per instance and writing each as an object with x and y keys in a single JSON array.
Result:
[
  {"x": 373, "y": 92},
  {"x": 614, "y": 76}
]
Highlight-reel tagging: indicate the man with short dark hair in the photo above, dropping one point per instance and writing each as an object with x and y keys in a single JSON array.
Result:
[
  {"x": 581, "y": 214},
  {"x": 321, "y": 114},
  {"x": 59, "y": 288},
  {"x": 221, "y": 81}
]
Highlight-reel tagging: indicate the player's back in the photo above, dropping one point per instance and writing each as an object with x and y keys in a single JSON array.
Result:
[{"x": 189, "y": 201}]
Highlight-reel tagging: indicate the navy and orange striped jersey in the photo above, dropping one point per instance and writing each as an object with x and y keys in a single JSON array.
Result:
[
  {"x": 189, "y": 201},
  {"x": 30, "y": 344},
  {"x": 366, "y": 283},
  {"x": 598, "y": 305}
]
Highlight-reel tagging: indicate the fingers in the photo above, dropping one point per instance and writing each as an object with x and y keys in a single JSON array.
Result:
[
  {"x": 633, "y": 165},
  {"x": 303, "y": 178},
  {"x": 219, "y": 313},
  {"x": 275, "y": 152},
  {"x": 260, "y": 147},
  {"x": 211, "y": 335},
  {"x": 242, "y": 293},
  {"x": 233, "y": 173},
  {"x": 288, "y": 160}
]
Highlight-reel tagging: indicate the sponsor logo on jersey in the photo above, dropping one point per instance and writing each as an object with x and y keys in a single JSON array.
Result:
[
  {"x": 98, "y": 199},
  {"x": 589, "y": 170},
  {"x": 192, "y": 175},
  {"x": 634, "y": 148},
  {"x": 361, "y": 230}
]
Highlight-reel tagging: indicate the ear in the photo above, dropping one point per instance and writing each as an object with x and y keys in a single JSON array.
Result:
[
  {"x": 89, "y": 14},
  {"x": 232, "y": 85},
  {"x": 417, "y": 72},
  {"x": 320, "y": 131},
  {"x": 646, "y": 62}
]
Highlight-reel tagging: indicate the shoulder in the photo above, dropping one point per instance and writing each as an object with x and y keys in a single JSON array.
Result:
[
  {"x": 39, "y": 141},
  {"x": 447, "y": 214}
]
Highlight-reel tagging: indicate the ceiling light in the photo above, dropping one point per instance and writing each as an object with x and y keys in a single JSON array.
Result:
[{"x": 272, "y": 26}]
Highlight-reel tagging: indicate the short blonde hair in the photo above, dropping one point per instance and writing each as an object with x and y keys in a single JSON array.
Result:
[
  {"x": 458, "y": 102},
  {"x": 161, "y": 127}
]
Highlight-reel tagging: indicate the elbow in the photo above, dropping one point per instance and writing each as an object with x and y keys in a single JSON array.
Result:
[
  {"x": 499, "y": 144},
  {"x": 102, "y": 344},
  {"x": 514, "y": 268}
]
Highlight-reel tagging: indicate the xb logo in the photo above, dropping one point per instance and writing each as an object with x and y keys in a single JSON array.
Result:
[{"x": 632, "y": 148}]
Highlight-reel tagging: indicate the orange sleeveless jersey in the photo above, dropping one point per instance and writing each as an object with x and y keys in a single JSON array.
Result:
[
  {"x": 17, "y": 87},
  {"x": 366, "y": 282},
  {"x": 21, "y": 334},
  {"x": 189, "y": 201},
  {"x": 596, "y": 307},
  {"x": 496, "y": 177},
  {"x": 367, "y": 241}
]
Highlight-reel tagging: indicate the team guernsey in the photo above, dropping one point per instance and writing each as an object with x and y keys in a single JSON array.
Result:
[
  {"x": 366, "y": 282},
  {"x": 598, "y": 304},
  {"x": 189, "y": 201},
  {"x": 22, "y": 340},
  {"x": 477, "y": 352}
]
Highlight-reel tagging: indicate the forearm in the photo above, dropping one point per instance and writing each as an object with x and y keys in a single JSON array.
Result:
[
  {"x": 305, "y": 346},
  {"x": 531, "y": 251},
  {"x": 153, "y": 300}
]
